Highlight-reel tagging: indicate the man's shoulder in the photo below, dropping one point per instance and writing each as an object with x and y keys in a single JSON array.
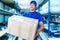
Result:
[
  {"x": 38, "y": 13},
  {"x": 26, "y": 12}
]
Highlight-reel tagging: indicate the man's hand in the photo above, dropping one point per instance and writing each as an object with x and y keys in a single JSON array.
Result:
[{"x": 37, "y": 32}]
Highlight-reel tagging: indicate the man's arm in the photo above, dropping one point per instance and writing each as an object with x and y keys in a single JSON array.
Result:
[{"x": 41, "y": 28}]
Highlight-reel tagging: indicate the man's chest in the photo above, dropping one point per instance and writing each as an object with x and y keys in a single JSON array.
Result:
[{"x": 35, "y": 16}]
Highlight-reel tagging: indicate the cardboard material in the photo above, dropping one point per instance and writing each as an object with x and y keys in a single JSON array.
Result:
[{"x": 22, "y": 27}]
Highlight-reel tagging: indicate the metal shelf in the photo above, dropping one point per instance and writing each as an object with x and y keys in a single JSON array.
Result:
[{"x": 4, "y": 12}]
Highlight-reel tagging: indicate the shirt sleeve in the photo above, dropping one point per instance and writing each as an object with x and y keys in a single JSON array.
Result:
[
  {"x": 40, "y": 18},
  {"x": 24, "y": 14}
]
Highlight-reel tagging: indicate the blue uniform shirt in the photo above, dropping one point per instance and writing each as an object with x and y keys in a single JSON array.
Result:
[{"x": 35, "y": 15}]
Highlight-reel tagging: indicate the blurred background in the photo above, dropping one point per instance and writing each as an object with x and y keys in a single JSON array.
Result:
[{"x": 18, "y": 7}]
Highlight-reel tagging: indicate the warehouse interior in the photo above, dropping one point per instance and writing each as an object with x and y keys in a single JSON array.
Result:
[{"x": 18, "y": 7}]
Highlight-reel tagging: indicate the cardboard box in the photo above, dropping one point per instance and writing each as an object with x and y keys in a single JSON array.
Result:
[{"x": 22, "y": 27}]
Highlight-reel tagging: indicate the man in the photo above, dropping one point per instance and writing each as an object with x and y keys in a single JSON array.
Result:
[{"x": 35, "y": 15}]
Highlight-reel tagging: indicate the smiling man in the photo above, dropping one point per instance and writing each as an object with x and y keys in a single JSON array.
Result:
[{"x": 35, "y": 15}]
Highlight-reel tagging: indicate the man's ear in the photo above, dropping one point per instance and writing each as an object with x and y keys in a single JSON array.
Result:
[{"x": 36, "y": 8}]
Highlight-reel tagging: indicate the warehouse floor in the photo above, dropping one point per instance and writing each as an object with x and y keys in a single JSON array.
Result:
[{"x": 12, "y": 37}]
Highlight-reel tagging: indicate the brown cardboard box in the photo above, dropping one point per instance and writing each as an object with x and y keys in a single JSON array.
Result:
[{"x": 22, "y": 27}]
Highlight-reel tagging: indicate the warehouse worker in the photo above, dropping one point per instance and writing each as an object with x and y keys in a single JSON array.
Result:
[{"x": 35, "y": 15}]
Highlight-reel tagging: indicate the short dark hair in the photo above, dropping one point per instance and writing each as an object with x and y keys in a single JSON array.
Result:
[{"x": 34, "y": 2}]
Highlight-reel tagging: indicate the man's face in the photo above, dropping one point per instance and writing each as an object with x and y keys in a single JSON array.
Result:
[{"x": 32, "y": 6}]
